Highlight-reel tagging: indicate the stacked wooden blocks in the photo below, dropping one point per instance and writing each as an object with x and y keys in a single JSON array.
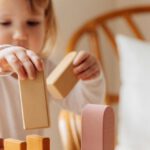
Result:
[{"x": 33, "y": 142}]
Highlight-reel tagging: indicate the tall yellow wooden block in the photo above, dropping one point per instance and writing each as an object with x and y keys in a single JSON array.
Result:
[{"x": 34, "y": 102}]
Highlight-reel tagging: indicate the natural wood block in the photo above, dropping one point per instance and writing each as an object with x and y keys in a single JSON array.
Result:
[
  {"x": 61, "y": 81},
  {"x": 34, "y": 102},
  {"x": 11, "y": 144},
  {"x": 97, "y": 128},
  {"x": 36, "y": 142}
]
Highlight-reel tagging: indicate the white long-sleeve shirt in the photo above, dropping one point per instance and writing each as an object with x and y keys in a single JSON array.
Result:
[{"x": 11, "y": 126}]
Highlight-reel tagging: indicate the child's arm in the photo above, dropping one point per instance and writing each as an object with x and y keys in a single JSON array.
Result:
[
  {"x": 22, "y": 61},
  {"x": 85, "y": 92},
  {"x": 90, "y": 88}
]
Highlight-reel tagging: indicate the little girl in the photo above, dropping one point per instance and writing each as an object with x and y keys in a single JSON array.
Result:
[{"x": 25, "y": 27}]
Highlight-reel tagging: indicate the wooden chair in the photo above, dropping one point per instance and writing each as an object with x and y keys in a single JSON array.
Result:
[{"x": 90, "y": 29}]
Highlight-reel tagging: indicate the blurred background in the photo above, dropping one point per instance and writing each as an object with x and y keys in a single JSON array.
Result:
[{"x": 71, "y": 14}]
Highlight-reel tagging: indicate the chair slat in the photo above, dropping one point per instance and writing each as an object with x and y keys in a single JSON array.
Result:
[
  {"x": 74, "y": 131},
  {"x": 94, "y": 44},
  {"x": 133, "y": 27},
  {"x": 111, "y": 38},
  {"x": 78, "y": 126},
  {"x": 112, "y": 99},
  {"x": 66, "y": 131}
]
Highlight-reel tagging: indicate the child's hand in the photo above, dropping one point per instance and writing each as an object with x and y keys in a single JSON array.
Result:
[
  {"x": 86, "y": 66},
  {"x": 20, "y": 60}
]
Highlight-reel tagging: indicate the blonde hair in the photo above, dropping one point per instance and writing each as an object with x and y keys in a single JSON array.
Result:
[{"x": 50, "y": 22}]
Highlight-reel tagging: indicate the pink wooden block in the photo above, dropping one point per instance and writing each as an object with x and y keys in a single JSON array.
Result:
[{"x": 97, "y": 128}]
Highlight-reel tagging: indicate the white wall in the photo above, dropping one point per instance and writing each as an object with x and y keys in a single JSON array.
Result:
[
  {"x": 129, "y": 3},
  {"x": 73, "y": 13}
]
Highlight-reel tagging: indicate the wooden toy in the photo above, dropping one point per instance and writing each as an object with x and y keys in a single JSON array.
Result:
[
  {"x": 62, "y": 79},
  {"x": 34, "y": 102},
  {"x": 11, "y": 144},
  {"x": 33, "y": 142},
  {"x": 36, "y": 142},
  {"x": 97, "y": 128}
]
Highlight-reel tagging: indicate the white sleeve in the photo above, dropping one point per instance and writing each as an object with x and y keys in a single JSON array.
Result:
[{"x": 90, "y": 91}]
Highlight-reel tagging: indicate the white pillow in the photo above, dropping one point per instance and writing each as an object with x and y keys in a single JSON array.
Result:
[{"x": 134, "y": 106}]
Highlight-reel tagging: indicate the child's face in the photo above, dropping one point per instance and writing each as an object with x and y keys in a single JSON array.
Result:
[{"x": 20, "y": 26}]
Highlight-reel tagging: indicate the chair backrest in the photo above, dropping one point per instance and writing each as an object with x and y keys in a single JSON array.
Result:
[{"x": 90, "y": 29}]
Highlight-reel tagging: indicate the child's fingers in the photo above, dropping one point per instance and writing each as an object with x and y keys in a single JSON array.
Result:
[
  {"x": 37, "y": 61},
  {"x": 81, "y": 56},
  {"x": 4, "y": 65},
  {"x": 24, "y": 62},
  {"x": 90, "y": 73},
  {"x": 16, "y": 66},
  {"x": 27, "y": 64},
  {"x": 84, "y": 65}
]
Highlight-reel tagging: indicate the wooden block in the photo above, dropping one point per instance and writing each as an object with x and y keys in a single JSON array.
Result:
[
  {"x": 1, "y": 143},
  {"x": 34, "y": 102},
  {"x": 61, "y": 81},
  {"x": 36, "y": 142},
  {"x": 97, "y": 128},
  {"x": 11, "y": 144}
]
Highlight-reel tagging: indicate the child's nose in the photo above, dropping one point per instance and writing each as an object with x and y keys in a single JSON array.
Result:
[{"x": 19, "y": 35}]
